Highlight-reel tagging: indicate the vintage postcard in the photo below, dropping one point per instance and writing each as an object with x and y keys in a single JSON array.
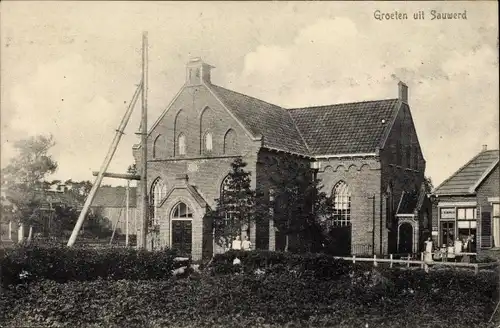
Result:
[{"x": 249, "y": 164}]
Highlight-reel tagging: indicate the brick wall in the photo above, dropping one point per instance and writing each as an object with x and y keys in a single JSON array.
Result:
[
  {"x": 489, "y": 188},
  {"x": 194, "y": 116},
  {"x": 362, "y": 175},
  {"x": 402, "y": 167}
]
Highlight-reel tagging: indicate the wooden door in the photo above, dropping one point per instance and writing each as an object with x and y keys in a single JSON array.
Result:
[{"x": 182, "y": 236}]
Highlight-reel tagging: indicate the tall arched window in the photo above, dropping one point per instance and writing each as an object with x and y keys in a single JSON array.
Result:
[
  {"x": 182, "y": 144},
  {"x": 156, "y": 195},
  {"x": 229, "y": 142},
  {"x": 341, "y": 204},
  {"x": 208, "y": 141},
  {"x": 155, "y": 146}
]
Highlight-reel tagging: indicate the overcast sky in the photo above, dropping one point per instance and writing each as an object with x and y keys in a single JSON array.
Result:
[{"x": 68, "y": 67}]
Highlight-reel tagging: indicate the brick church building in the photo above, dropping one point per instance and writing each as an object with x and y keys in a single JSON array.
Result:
[{"x": 367, "y": 155}]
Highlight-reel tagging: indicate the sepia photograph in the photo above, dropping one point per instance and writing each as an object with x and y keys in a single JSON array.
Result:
[{"x": 249, "y": 164}]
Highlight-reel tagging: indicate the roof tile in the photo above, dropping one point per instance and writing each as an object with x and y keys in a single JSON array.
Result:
[{"x": 469, "y": 174}]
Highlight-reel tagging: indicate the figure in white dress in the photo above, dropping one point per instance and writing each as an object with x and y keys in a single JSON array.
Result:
[
  {"x": 246, "y": 245},
  {"x": 236, "y": 243},
  {"x": 428, "y": 253}
]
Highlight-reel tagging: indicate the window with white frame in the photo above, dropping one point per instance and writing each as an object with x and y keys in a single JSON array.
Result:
[
  {"x": 496, "y": 224},
  {"x": 341, "y": 204},
  {"x": 208, "y": 141},
  {"x": 466, "y": 223},
  {"x": 182, "y": 144}
]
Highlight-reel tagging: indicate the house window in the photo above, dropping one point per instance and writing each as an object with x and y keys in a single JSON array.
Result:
[
  {"x": 208, "y": 141},
  {"x": 496, "y": 224},
  {"x": 341, "y": 205},
  {"x": 458, "y": 222},
  {"x": 182, "y": 144}
]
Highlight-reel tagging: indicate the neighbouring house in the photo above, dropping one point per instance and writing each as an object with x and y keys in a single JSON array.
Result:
[
  {"x": 367, "y": 155},
  {"x": 467, "y": 203},
  {"x": 110, "y": 203},
  {"x": 54, "y": 196}
]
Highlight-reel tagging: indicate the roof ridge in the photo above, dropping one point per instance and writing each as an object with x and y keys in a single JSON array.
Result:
[
  {"x": 458, "y": 171},
  {"x": 342, "y": 104},
  {"x": 243, "y": 94}
]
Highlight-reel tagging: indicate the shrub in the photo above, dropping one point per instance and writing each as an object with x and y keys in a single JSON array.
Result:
[
  {"x": 243, "y": 301},
  {"x": 64, "y": 264}
]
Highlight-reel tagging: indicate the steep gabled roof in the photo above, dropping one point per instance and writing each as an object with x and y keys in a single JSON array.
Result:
[
  {"x": 263, "y": 119},
  {"x": 469, "y": 176},
  {"x": 114, "y": 197},
  {"x": 345, "y": 128}
]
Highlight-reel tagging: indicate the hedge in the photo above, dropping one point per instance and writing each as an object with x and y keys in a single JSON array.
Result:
[
  {"x": 276, "y": 300},
  {"x": 316, "y": 264},
  {"x": 61, "y": 264}
]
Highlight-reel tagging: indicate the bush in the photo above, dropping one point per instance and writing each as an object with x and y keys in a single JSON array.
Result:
[
  {"x": 246, "y": 301},
  {"x": 61, "y": 264},
  {"x": 316, "y": 264}
]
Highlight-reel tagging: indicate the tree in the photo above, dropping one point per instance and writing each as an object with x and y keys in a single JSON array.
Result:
[
  {"x": 429, "y": 186},
  {"x": 23, "y": 180},
  {"x": 301, "y": 209},
  {"x": 132, "y": 169},
  {"x": 235, "y": 210}
]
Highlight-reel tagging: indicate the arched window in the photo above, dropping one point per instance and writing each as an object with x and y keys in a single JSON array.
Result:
[
  {"x": 208, "y": 141},
  {"x": 229, "y": 142},
  {"x": 226, "y": 197},
  {"x": 181, "y": 212},
  {"x": 156, "y": 195},
  {"x": 182, "y": 144},
  {"x": 155, "y": 146},
  {"x": 341, "y": 204}
]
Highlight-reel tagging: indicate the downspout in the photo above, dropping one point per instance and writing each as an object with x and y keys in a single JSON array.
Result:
[
  {"x": 381, "y": 221},
  {"x": 373, "y": 225}
]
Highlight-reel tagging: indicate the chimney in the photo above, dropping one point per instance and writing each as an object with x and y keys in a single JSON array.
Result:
[
  {"x": 403, "y": 92},
  {"x": 198, "y": 72},
  {"x": 485, "y": 147}
]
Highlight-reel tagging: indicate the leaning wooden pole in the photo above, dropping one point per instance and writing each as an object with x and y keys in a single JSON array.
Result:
[
  {"x": 144, "y": 139},
  {"x": 104, "y": 167}
]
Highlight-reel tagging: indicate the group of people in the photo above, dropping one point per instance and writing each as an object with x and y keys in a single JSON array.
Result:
[
  {"x": 457, "y": 250},
  {"x": 239, "y": 244}
]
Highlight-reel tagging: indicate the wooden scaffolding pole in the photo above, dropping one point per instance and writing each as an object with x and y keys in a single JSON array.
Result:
[
  {"x": 144, "y": 139},
  {"x": 104, "y": 167}
]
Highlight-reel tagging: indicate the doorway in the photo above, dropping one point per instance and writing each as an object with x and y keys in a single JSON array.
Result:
[
  {"x": 405, "y": 238},
  {"x": 447, "y": 232},
  {"x": 182, "y": 229}
]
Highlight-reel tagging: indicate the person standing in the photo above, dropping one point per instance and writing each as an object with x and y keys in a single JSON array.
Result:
[
  {"x": 246, "y": 245},
  {"x": 428, "y": 253},
  {"x": 458, "y": 246},
  {"x": 236, "y": 243}
]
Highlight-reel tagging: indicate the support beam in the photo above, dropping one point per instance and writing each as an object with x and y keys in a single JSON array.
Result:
[
  {"x": 126, "y": 176},
  {"x": 144, "y": 141},
  {"x": 104, "y": 167}
]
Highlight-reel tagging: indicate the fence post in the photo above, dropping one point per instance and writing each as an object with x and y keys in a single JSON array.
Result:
[
  {"x": 476, "y": 269},
  {"x": 408, "y": 261},
  {"x": 374, "y": 260},
  {"x": 390, "y": 265},
  {"x": 422, "y": 259},
  {"x": 353, "y": 259}
]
